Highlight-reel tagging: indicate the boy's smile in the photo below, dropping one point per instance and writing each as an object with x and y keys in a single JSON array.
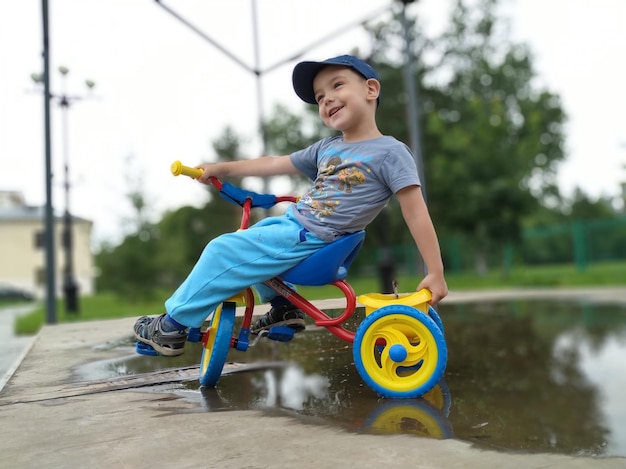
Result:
[{"x": 334, "y": 110}]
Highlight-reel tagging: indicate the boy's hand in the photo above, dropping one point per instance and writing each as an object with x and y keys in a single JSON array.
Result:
[
  {"x": 207, "y": 172},
  {"x": 437, "y": 286}
]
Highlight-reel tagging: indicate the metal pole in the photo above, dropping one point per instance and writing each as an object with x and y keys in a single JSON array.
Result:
[
  {"x": 69, "y": 284},
  {"x": 50, "y": 279},
  {"x": 413, "y": 112},
  {"x": 411, "y": 91},
  {"x": 259, "y": 89},
  {"x": 258, "y": 73}
]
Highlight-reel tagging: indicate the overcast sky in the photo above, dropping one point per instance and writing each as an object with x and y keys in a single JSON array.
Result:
[{"x": 163, "y": 93}]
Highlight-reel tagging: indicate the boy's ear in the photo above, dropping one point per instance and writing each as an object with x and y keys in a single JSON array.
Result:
[{"x": 373, "y": 88}]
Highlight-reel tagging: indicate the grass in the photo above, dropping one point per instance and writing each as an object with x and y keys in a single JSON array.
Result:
[
  {"x": 96, "y": 307},
  {"x": 109, "y": 306},
  {"x": 605, "y": 273}
]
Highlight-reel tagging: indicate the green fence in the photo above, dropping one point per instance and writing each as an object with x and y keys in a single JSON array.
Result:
[{"x": 579, "y": 242}]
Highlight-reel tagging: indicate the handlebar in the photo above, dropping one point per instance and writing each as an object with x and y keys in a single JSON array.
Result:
[
  {"x": 246, "y": 199},
  {"x": 177, "y": 168}
]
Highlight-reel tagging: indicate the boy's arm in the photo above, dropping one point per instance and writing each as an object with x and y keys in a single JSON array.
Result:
[
  {"x": 261, "y": 167},
  {"x": 420, "y": 225}
]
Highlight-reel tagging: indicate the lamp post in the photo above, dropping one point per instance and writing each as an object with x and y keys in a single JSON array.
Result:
[
  {"x": 64, "y": 100},
  {"x": 50, "y": 278}
]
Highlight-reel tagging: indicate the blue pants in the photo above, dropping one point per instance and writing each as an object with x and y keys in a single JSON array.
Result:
[{"x": 234, "y": 261}]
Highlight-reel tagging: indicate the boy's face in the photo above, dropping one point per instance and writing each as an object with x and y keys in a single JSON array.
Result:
[{"x": 344, "y": 96}]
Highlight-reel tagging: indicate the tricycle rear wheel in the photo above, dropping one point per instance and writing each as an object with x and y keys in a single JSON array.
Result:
[{"x": 400, "y": 352}]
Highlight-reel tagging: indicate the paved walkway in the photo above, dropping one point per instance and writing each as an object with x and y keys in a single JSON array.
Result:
[
  {"x": 50, "y": 420},
  {"x": 13, "y": 348}
]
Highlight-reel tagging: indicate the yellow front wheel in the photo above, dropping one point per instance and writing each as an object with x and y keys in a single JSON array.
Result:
[
  {"x": 217, "y": 343},
  {"x": 400, "y": 352}
]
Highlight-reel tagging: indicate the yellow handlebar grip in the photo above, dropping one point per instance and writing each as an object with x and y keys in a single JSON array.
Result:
[{"x": 178, "y": 168}]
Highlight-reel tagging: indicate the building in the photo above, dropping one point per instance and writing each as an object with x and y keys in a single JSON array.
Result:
[{"x": 22, "y": 248}]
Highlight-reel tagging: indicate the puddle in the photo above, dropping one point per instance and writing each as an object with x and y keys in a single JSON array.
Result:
[{"x": 522, "y": 376}]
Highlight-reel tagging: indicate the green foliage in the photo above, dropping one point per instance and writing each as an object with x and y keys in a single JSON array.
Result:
[
  {"x": 184, "y": 234},
  {"x": 591, "y": 228},
  {"x": 161, "y": 255},
  {"x": 287, "y": 132},
  {"x": 582, "y": 207},
  {"x": 131, "y": 269},
  {"x": 581, "y": 241},
  {"x": 227, "y": 147},
  {"x": 491, "y": 141},
  {"x": 492, "y": 136}
]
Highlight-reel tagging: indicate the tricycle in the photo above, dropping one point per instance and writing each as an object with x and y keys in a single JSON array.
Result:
[{"x": 399, "y": 348}]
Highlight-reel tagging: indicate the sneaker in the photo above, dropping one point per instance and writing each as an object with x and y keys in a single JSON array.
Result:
[
  {"x": 149, "y": 331},
  {"x": 286, "y": 315}
]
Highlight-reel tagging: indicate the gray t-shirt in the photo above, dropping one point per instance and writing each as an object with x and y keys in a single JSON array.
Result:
[{"x": 353, "y": 181}]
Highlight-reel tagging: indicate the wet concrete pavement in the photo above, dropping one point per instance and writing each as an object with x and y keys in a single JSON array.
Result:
[{"x": 52, "y": 418}]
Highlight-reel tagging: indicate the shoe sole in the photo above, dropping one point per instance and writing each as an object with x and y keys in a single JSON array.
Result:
[{"x": 168, "y": 352}]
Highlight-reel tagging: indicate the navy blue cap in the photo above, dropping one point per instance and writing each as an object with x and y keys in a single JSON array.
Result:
[{"x": 305, "y": 72}]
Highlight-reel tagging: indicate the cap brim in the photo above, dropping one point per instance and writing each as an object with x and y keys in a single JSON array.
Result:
[{"x": 303, "y": 75}]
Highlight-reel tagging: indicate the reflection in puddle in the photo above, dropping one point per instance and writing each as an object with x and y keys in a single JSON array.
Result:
[
  {"x": 521, "y": 376},
  {"x": 518, "y": 368},
  {"x": 294, "y": 389},
  {"x": 312, "y": 398},
  {"x": 604, "y": 367}
]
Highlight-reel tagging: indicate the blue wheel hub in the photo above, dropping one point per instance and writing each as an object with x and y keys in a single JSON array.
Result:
[{"x": 398, "y": 353}]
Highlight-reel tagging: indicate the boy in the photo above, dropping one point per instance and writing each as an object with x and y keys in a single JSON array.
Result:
[{"x": 354, "y": 176}]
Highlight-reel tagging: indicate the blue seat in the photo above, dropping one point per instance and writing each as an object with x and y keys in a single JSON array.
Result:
[{"x": 327, "y": 265}]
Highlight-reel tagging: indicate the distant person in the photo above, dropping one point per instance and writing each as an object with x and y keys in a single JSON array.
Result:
[{"x": 354, "y": 175}]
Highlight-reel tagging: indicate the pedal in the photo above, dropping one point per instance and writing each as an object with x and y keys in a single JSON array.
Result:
[
  {"x": 145, "y": 349},
  {"x": 281, "y": 333}
]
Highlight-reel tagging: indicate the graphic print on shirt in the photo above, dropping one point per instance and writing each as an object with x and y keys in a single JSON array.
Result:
[{"x": 338, "y": 174}]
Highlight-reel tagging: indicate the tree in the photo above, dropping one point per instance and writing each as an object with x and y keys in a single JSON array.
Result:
[
  {"x": 492, "y": 142},
  {"x": 287, "y": 132},
  {"x": 131, "y": 269},
  {"x": 161, "y": 255},
  {"x": 583, "y": 207},
  {"x": 227, "y": 147},
  {"x": 184, "y": 233}
]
